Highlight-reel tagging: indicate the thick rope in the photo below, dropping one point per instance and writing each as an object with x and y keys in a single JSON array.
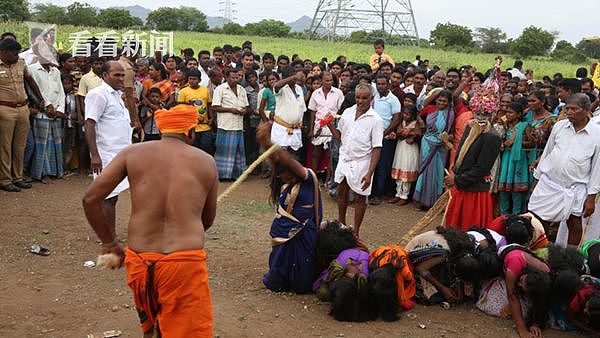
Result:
[{"x": 247, "y": 172}]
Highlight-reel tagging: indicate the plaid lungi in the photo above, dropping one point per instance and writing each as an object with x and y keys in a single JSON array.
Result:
[
  {"x": 48, "y": 159},
  {"x": 230, "y": 153}
]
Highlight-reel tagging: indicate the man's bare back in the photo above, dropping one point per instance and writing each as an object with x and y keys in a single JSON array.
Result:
[{"x": 173, "y": 194}]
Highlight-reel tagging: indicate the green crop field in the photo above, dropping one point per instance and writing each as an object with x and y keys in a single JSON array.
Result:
[{"x": 315, "y": 50}]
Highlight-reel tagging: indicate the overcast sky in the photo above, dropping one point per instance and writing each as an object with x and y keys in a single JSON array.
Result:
[{"x": 573, "y": 20}]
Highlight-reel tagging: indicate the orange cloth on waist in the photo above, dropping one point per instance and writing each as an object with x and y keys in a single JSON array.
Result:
[
  {"x": 177, "y": 120},
  {"x": 405, "y": 279},
  {"x": 171, "y": 291}
]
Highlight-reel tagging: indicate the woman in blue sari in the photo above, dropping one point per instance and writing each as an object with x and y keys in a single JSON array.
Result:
[
  {"x": 434, "y": 152},
  {"x": 295, "y": 190}
]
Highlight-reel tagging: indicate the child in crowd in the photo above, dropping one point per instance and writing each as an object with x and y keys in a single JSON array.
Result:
[
  {"x": 70, "y": 139},
  {"x": 379, "y": 56},
  {"x": 514, "y": 172},
  {"x": 252, "y": 119},
  {"x": 405, "y": 168},
  {"x": 410, "y": 99},
  {"x": 267, "y": 102},
  {"x": 147, "y": 115},
  {"x": 200, "y": 97},
  {"x": 266, "y": 110},
  {"x": 408, "y": 79}
]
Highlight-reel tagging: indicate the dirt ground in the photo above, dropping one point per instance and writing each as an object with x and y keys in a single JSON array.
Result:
[{"x": 56, "y": 296}]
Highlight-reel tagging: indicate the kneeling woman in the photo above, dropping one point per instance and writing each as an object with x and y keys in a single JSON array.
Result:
[
  {"x": 442, "y": 260},
  {"x": 295, "y": 189},
  {"x": 526, "y": 274}
]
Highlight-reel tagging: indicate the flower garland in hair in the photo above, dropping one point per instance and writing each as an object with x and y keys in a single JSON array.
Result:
[{"x": 486, "y": 99}]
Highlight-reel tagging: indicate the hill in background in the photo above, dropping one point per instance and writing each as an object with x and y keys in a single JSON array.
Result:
[
  {"x": 300, "y": 25},
  {"x": 138, "y": 11}
]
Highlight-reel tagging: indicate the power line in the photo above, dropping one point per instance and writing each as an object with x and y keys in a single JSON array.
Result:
[
  {"x": 337, "y": 19},
  {"x": 227, "y": 10}
]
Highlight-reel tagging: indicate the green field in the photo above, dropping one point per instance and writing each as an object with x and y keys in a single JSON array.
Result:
[{"x": 315, "y": 50}]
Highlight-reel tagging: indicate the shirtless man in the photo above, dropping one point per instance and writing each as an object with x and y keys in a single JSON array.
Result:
[{"x": 173, "y": 197}]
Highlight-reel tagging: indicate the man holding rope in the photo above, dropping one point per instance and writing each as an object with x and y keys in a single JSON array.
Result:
[{"x": 165, "y": 259}]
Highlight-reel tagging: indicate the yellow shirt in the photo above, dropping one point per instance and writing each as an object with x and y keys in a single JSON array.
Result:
[
  {"x": 374, "y": 62},
  {"x": 596, "y": 76},
  {"x": 200, "y": 98},
  {"x": 88, "y": 82}
]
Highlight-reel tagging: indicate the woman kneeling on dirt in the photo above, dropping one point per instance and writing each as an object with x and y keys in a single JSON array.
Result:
[
  {"x": 295, "y": 190},
  {"x": 443, "y": 259}
]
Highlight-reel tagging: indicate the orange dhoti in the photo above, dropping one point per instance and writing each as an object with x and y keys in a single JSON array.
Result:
[{"x": 171, "y": 292}]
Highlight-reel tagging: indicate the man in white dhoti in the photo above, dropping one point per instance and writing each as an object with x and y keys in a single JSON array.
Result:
[
  {"x": 108, "y": 129},
  {"x": 568, "y": 174},
  {"x": 591, "y": 225},
  {"x": 289, "y": 110},
  {"x": 360, "y": 130}
]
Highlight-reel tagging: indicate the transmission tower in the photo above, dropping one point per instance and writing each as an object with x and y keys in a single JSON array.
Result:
[
  {"x": 227, "y": 10},
  {"x": 337, "y": 19}
]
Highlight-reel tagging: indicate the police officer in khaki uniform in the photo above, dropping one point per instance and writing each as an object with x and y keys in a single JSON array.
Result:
[{"x": 14, "y": 115}]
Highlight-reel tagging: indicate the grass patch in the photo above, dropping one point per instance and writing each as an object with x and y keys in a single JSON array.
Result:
[{"x": 315, "y": 50}]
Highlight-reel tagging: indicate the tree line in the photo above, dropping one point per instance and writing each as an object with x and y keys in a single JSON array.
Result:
[
  {"x": 164, "y": 18},
  {"x": 534, "y": 41}
]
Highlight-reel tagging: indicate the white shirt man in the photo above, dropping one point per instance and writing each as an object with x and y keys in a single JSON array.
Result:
[
  {"x": 28, "y": 55},
  {"x": 568, "y": 172},
  {"x": 204, "y": 80},
  {"x": 591, "y": 228},
  {"x": 47, "y": 129},
  {"x": 225, "y": 97},
  {"x": 359, "y": 138},
  {"x": 323, "y": 106},
  {"x": 411, "y": 90},
  {"x": 516, "y": 73},
  {"x": 289, "y": 110},
  {"x": 230, "y": 155},
  {"x": 50, "y": 86},
  {"x": 105, "y": 106}
]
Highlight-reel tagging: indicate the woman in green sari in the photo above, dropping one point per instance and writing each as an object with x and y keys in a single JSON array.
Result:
[{"x": 514, "y": 175}]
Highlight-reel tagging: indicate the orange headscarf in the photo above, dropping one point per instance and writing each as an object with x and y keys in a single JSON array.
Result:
[{"x": 177, "y": 120}]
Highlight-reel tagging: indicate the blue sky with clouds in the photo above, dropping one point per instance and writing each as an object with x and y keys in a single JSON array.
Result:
[{"x": 572, "y": 20}]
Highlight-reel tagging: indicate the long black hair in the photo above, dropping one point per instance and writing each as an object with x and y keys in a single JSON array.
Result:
[
  {"x": 333, "y": 237},
  {"x": 490, "y": 265},
  {"x": 492, "y": 245},
  {"x": 518, "y": 230},
  {"x": 462, "y": 250},
  {"x": 460, "y": 243},
  {"x": 276, "y": 182},
  {"x": 565, "y": 259},
  {"x": 161, "y": 68},
  {"x": 539, "y": 285},
  {"x": 564, "y": 286}
]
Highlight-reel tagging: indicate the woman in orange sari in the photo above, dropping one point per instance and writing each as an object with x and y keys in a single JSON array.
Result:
[{"x": 159, "y": 78}]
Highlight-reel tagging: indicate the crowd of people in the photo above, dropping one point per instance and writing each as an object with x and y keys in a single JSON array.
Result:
[{"x": 519, "y": 158}]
